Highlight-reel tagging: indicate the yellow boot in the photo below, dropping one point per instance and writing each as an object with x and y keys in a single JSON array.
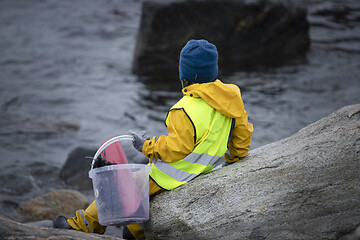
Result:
[{"x": 87, "y": 221}]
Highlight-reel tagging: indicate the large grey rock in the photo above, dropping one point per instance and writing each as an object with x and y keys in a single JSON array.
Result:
[
  {"x": 16, "y": 231},
  {"x": 246, "y": 33},
  {"x": 306, "y": 186}
]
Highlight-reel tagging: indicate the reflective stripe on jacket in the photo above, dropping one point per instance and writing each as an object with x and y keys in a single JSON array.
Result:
[{"x": 211, "y": 136}]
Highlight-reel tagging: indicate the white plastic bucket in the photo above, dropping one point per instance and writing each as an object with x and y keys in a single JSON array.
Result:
[{"x": 121, "y": 193}]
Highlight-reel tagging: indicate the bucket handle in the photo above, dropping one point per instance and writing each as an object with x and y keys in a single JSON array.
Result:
[{"x": 109, "y": 142}]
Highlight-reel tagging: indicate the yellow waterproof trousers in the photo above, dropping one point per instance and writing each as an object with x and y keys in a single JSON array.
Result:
[{"x": 88, "y": 221}]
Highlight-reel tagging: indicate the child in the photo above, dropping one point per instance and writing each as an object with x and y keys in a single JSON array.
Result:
[{"x": 206, "y": 122}]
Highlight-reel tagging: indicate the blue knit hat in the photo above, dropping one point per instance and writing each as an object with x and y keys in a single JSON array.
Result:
[{"x": 198, "y": 61}]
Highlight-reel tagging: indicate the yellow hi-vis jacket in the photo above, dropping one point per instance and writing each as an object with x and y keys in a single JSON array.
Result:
[
  {"x": 211, "y": 136},
  {"x": 183, "y": 135}
]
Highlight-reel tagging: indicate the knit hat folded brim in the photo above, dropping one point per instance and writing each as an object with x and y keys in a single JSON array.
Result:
[{"x": 198, "y": 62}]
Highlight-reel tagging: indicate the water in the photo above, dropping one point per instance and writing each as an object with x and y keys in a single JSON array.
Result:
[{"x": 66, "y": 81}]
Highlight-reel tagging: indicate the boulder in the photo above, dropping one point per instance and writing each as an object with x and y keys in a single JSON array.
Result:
[
  {"x": 75, "y": 171},
  {"x": 306, "y": 186},
  {"x": 13, "y": 230},
  {"x": 49, "y": 205},
  {"x": 246, "y": 33}
]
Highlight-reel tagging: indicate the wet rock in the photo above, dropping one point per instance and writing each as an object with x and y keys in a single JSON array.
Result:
[
  {"x": 246, "y": 33},
  {"x": 305, "y": 186},
  {"x": 75, "y": 171},
  {"x": 13, "y": 230},
  {"x": 49, "y": 205}
]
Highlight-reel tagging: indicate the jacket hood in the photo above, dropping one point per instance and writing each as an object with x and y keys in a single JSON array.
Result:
[{"x": 225, "y": 98}]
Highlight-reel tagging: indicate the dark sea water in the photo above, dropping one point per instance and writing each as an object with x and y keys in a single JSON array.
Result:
[{"x": 66, "y": 81}]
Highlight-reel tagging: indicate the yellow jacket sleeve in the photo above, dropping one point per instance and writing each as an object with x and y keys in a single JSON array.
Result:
[
  {"x": 239, "y": 143},
  {"x": 177, "y": 144}
]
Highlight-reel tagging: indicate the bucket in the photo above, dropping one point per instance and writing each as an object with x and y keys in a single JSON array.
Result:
[{"x": 121, "y": 192}]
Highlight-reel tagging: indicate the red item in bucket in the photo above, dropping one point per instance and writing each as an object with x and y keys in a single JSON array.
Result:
[{"x": 114, "y": 154}]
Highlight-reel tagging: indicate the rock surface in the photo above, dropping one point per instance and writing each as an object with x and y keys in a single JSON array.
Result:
[
  {"x": 51, "y": 204},
  {"x": 14, "y": 230},
  {"x": 306, "y": 186},
  {"x": 246, "y": 33}
]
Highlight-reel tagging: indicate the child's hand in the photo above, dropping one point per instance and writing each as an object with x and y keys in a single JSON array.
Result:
[{"x": 139, "y": 139}]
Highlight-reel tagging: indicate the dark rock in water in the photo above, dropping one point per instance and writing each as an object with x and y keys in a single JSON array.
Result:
[
  {"x": 48, "y": 206},
  {"x": 246, "y": 33},
  {"x": 13, "y": 230},
  {"x": 305, "y": 186},
  {"x": 75, "y": 171}
]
